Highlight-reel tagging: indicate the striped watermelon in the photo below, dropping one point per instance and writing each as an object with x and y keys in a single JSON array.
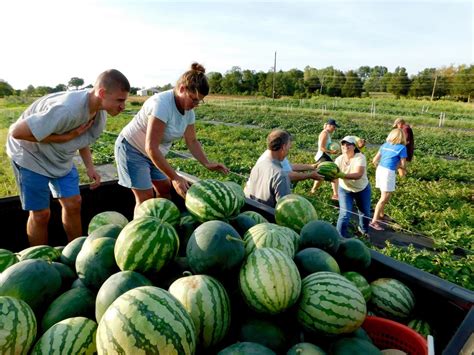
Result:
[
  {"x": 146, "y": 320},
  {"x": 207, "y": 302},
  {"x": 305, "y": 348},
  {"x": 360, "y": 282},
  {"x": 211, "y": 199},
  {"x": 246, "y": 347},
  {"x": 107, "y": 217},
  {"x": 70, "y": 336},
  {"x": 146, "y": 244},
  {"x": 392, "y": 298},
  {"x": 161, "y": 208},
  {"x": 70, "y": 251},
  {"x": 115, "y": 286},
  {"x": 239, "y": 193},
  {"x": 257, "y": 217},
  {"x": 269, "y": 281},
  {"x": 17, "y": 326},
  {"x": 330, "y": 304},
  {"x": 269, "y": 235},
  {"x": 421, "y": 326},
  {"x": 44, "y": 252},
  {"x": 294, "y": 211},
  {"x": 7, "y": 258}
]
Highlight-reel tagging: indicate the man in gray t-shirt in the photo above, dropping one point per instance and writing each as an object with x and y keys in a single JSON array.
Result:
[
  {"x": 43, "y": 141},
  {"x": 268, "y": 179}
]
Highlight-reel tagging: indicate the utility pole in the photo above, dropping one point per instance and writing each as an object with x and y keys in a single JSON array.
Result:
[
  {"x": 434, "y": 87},
  {"x": 274, "y": 74}
]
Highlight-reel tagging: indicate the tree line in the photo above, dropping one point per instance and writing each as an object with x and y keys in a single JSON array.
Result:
[{"x": 452, "y": 82}]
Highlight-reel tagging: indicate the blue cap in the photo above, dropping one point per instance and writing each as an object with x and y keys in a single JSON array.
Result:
[{"x": 332, "y": 122}]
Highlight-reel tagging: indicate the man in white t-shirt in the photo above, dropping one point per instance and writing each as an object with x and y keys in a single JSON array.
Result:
[{"x": 43, "y": 141}]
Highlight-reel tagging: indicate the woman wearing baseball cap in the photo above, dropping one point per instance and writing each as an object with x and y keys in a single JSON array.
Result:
[{"x": 354, "y": 187}]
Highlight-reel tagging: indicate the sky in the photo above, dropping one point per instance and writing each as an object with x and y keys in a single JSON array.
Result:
[{"x": 47, "y": 42}]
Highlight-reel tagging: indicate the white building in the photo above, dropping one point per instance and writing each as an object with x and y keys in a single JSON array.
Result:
[{"x": 147, "y": 92}]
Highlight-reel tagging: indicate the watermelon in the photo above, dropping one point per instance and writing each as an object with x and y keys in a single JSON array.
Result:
[
  {"x": 206, "y": 300},
  {"x": 44, "y": 252},
  {"x": 354, "y": 346},
  {"x": 246, "y": 348},
  {"x": 305, "y": 349},
  {"x": 107, "y": 217},
  {"x": 329, "y": 170},
  {"x": 294, "y": 211},
  {"x": 269, "y": 281},
  {"x": 95, "y": 262},
  {"x": 146, "y": 244},
  {"x": 312, "y": 260},
  {"x": 163, "y": 209},
  {"x": 257, "y": 217},
  {"x": 7, "y": 258},
  {"x": 146, "y": 320},
  {"x": 70, "y": 251},
  {"x": 264, "y": 332},
  {"x": 76, "y": 302},
  {"x": 17, "y": 326},
  {"x": 211, "y": 199},
  {"x": 215, "y": 248},
  {"x": 269, "y": 235},
  {"x": 242, "y": 223},
  {"x": 360, "y": 282},
  {"x": 70, "y": 336},
  {"x": 322, "y": 235},
  {"x": 335, "y": 146},
  {"x": 330, "y": 304},
  {"x": 392, "y": 298},
  {"x": 353, "y": 255},
  {"x": 105, "y": 231},
  {"x": 68, "y": 275},
  {"x": 239, "y": 193},
  {"x": 115, "y": 286},
  {"x": 421, "y": 326},
  {"x": 34, "y": 281}
]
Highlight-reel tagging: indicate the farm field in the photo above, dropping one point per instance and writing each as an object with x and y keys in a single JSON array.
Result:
[{"x": 436, "y": 199}]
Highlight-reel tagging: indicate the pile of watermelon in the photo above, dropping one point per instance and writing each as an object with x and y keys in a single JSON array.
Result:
[{"x": 211, "y": 279}]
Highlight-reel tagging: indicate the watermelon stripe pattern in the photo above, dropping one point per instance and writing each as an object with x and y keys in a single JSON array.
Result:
[
  {"x": 330, "y": 304},
  {"x": 421, "y": 326},
  {"x": 269, "y": 281},
  {"x": 207, "y": 302},
  {"x": 211, "y": 199},
  {"x": 269, "y": 235},
  {"x": 146, "y": 320},
  {"x": 146, "y": 244},
  {"x": 107, "y": 217},
  {"x": 17, "y": 326},
  {"x": 161, "y": 208},
  {"x": 44, "y": 252},
  {"x": 294, "y": 211},
  {"x": 71, "y": 336},
  {"x": 7, "y": 258},
  {"x": 392, "y": 298}
]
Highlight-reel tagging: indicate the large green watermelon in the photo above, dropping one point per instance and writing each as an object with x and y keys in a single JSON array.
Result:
[
  {"x": 146, "y": 320},
  {"x": 206, "y": 300},
  {"x": 311, "y": 260},
  {"x": 269, "y": 281},
  {"x": 330, "y": 304},
  {"x": 146, "y": 244},
  {"x": 246, "y": 348},
  {"x": 322, "y": 235},
  {"x": 269, "y": 235},
  {"x": 70, "y": 251},
  {"x": 161, "y": 208},
  {"x": 107, "y": 217},
  {"x": 45, "y": 252},
  {"x": 7, "y": 258},
  {"x": 294, "y": 211},
  {"x": 353, "y": 255},
  {"x": 70, "y": 336},
  {"x": 211, "y": 199},
  {"x": 215, "y": 248},
  {"x": 17, "y": 326},
  {"x": 391, "y": 298}
]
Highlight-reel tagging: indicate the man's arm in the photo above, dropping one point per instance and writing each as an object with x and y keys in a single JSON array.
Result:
[
  {"x": 21, "y": 130},
  {"x": 86, "y": 156}
]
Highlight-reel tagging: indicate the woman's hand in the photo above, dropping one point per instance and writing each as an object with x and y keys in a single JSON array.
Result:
[
  {"x": 217, "y": 167},
  {"x": 180, "y": 185}
]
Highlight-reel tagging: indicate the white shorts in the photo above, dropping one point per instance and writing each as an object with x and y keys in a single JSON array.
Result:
[{"x": 385, "y": 179}]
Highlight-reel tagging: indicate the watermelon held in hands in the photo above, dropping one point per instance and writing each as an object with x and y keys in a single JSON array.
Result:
[
  {"x": 294, "y": 211},
  {"x": 335, "y": 146}
]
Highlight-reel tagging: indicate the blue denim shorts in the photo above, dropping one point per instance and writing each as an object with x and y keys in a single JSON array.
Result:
[
  {"x": 135, "y": 170},
  {"x": 35, "y": 188}
]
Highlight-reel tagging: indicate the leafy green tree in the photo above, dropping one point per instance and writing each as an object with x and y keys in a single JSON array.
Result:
[
  {"x": 422, "y": 83},
  {"x": 75, "y": 82},
  {"x": 332, "y": 81},
  {"x": 215, "y": 82},
  {"x": 399, "y": 84},
  {"x": 374, "y": 82},
  {"x": 262, "y": 83},
  {"x": 352, "y": 86},
  {"x": 30, "y": 90},
  {"x": 59, "y": 88},
  {"x": 232, "y": 81},
  {"x": 311, "y": 80},
  {"x": 249, "y": 82},
  {"x": 43, "y": 90},
  {"x": 364, "y": 72},
  {"x": 463, "y": 84},
  {"x": 5, "y": 89}
]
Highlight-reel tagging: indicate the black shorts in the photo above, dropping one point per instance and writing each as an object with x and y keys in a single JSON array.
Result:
[{"x": 324, "y": 157}]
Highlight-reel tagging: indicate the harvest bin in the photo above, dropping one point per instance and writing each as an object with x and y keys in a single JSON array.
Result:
[{"x": 446, "y": 306}]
